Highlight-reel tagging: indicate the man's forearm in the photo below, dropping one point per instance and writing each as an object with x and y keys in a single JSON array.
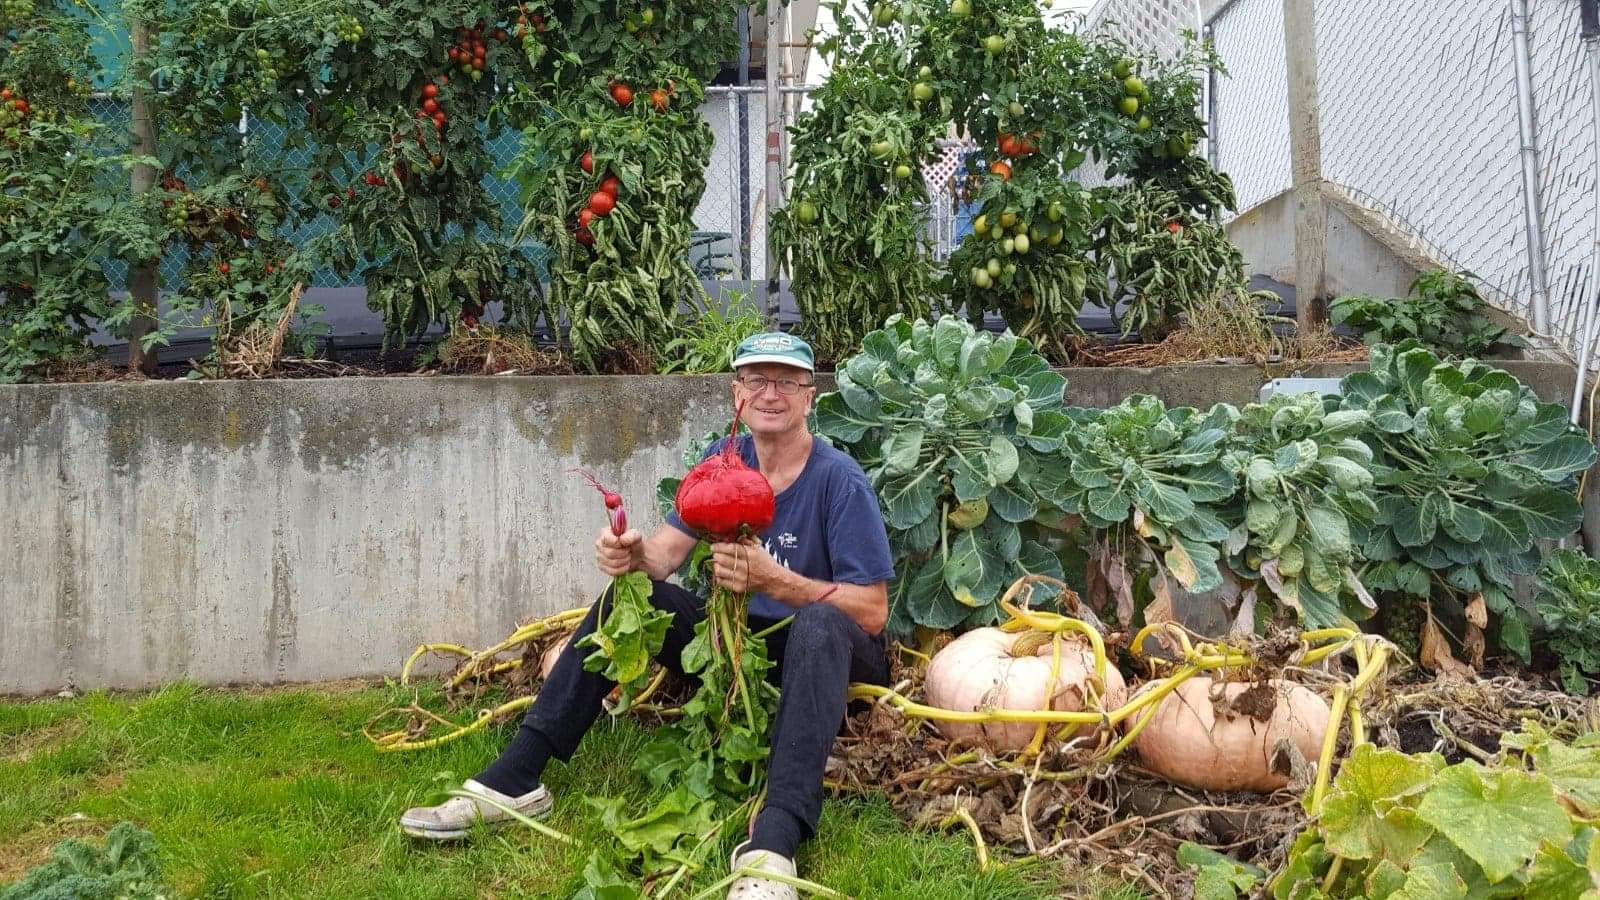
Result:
[{"x": 866, "y": 605}]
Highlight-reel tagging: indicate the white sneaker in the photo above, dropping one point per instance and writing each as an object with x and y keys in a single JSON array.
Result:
[
  {"x": 453, "y": 819},
  {"x": 751, "y": 888}
]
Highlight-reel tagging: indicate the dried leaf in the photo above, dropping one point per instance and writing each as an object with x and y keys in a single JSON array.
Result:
[
  {"x": 1478, "y": 611},
  {"x": 1244, "y": 624},
  {"x": 1359, "y": 589},
  {"x": 1160, "y": 610},
  {"x": 1286, "y": 759},
  {"x": 1121, "y": 587},
  {"x": 1473, "y": 645},
  {"x": 1435, "y": 651},
  {"x": 1269, "y": 574}
]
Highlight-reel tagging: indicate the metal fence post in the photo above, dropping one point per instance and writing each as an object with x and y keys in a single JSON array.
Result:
[
  {"x": 1591, "y": 46},
  {"x": 1210, "y": 38},
  {"x": 774, "y": 191},
  {"x": 142, "y": 275},
  {"x": 1533, "y": 215},
  {"x": 1305, "y": 156}
]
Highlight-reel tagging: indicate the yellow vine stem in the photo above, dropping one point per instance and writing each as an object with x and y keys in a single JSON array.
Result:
[
  {"x": 396, "y": 741},
  {"x": 538, "y": 628},
  {"x": 1036, "y": 745},
  {"x": 961, "y": 815},
  {"x": 424, "y": 650}
]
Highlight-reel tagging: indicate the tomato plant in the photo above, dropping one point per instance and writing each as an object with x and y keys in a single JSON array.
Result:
[
  {"x": 62, "y": 214},
  {"x": 391, "y": 103},
  {"x": 853, "y": 231},
  {"x": 609, "y": 189},
  {"x": 1160, "y": 259}
]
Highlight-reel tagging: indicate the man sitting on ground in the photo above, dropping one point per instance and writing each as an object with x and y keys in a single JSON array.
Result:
[{"x": 826, "y": 541}]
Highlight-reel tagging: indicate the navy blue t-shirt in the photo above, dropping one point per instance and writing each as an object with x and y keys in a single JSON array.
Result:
[{"x": 827, "y": 525}]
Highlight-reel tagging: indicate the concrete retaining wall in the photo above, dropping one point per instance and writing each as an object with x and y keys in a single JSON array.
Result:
[{"x": 301, "y": 530}]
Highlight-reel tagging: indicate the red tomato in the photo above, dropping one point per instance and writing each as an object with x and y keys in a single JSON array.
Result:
[
  {"x": 439, "y": 119},
  {"x": 658, "y": 99},
  {"x": 585, "y": 217},
  {"x": 586, "y": 161},
  {"x": 602, "y": 203},
  {"x": 430, "y": 106},
  {"x": 585, "y": 237},
  {"x": 430, "y": 91},
  {"x": 611, "y": 185},
  {"x": 1001, "y": 169},
  {"x": 622, "y": 94},
  {"x": 1008, "y": 145}
]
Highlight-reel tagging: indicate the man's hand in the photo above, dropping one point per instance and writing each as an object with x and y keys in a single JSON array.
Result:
[
  {"x": 742, "y": 568},
  {"x": 618, "y": 555}
]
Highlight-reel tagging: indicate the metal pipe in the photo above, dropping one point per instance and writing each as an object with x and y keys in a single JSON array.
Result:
[
  {"x": 742, "y": 236},
  {"x": 1533, "y": 214},
  {"x": 774, "y": 192},
  {"x": 1591, "y": 43},
  {"x": 1212, "y": 155}
]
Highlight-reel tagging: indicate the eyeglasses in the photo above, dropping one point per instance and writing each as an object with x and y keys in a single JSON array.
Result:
[{"x": 758, "y": 383}]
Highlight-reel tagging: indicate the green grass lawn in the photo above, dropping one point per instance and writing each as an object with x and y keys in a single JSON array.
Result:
[{"x": 276, "y": 793}]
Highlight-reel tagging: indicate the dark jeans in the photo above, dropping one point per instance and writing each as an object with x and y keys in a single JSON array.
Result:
[{"x": 818, "y": 655}]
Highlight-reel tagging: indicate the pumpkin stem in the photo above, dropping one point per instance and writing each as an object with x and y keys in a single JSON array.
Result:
[{"x": 1029, "y": 644}]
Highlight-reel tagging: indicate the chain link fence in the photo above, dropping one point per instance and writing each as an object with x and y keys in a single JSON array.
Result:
[
  {"x": 1419, "y": 123},
  {"x": 1250, "y": 118}
]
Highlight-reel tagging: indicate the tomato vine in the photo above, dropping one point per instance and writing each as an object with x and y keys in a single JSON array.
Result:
[{"x": 64, "y": 214}]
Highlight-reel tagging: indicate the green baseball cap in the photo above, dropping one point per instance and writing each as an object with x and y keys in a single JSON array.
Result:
[{"x": 774, "y": 347}]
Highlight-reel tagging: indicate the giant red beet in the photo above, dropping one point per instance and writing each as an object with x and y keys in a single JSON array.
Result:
[{"x": 724, "y": 499}]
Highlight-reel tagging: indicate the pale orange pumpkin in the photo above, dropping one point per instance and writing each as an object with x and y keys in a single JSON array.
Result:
[
  {"x": 551, "y": 654},
  {"x": 988, "y": 668},
  {"x": 1187, "y": 743}
]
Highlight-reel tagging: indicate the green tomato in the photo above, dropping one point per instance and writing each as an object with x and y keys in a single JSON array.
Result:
[
  {"x": 1123, "y": 68},
  {"x": 960, "y": 8},
  {"x": 1015, "y": 109},
  {"x": 1175, "y": 148},
  {"x": 1144, "y": 122},
  {"x": 884, "y": 14},
  {"x": 980, "y": 225},
  {"x": 648, "y": 16},
  {"x": 1130, "y": 106},
  {"x": 1019, "y": 228},
  {"x": 1037, "y": 234},
  {"x": 1010, "y": 270},
  {"x": 994, "y": 44},
  {"x": 1008, "y": 246},
  {"x": 806, "y": 212},
  {"x": 632, "y": 25},
  {"x": 1055, "y": 237},
  {"x": 925, "y": 73},
  {"x": 1054, "y": 213},
  {"x": 1008, "y": 219},
  {"x": 902, "y": 171},
  {"x": 1134, "y": 85},
  {"x": 882, "y": 149},
  {"x": 997, "y": 233},
  {"x": 1021, "y": 243},
  {"x": 993, "y": 267},
  {"x": 922, "y": 91},
  {"x": 981, "y": 278},
  {"x": 585, "y": 133}
]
